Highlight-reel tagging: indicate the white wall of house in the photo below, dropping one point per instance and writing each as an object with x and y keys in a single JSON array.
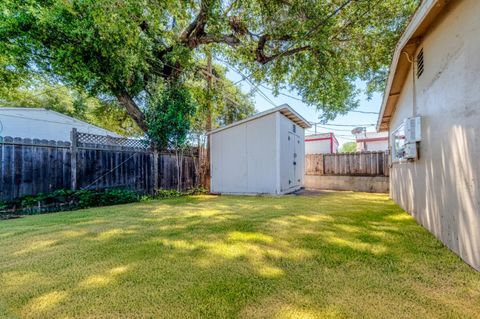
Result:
[
  {"x": 372, "y": 141},
  {"x": 376, "y": 146},
  {"x": 323, "y": 143},
  {"x": 442, "y": 188},
  {"x": 260, "y": 156},
  {"x": 43, "y": 124}
]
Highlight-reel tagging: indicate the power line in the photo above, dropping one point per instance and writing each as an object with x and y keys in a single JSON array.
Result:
[
  {"x": 223, "y": 81},
  {"x": 301, "y": 100},
  {"x": 280, "y": 93},
  {"x": 364, "y": 112},
  {"x": 331, "y": 15},
  {"x": 308, "y": 33},
  {"x": 334, "y": 129},
  {"x": 244, "y": 77},
  {"x": 346, "y": 125}
]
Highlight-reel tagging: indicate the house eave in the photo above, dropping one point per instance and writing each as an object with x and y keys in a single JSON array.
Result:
[{"x": 420, "y": 23}]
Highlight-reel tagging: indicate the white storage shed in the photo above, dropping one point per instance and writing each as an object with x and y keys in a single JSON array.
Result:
[{"x": 263, "y": 154}]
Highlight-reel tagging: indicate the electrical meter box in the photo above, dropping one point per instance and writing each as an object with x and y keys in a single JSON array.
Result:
[
  {"x": 410, "y": 151},
  {"x": 413, "y": 129}
]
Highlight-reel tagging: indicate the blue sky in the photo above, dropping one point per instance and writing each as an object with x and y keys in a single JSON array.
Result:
[{"x": 342, "y": 132}]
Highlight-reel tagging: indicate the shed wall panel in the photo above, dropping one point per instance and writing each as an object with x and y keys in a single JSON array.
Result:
[
  {"x": 245, "y": 157},
  {"x": 261, "y": 154}
]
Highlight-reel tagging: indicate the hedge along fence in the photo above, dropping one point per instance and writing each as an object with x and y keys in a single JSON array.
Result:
[{"x": 32, "y": 166}]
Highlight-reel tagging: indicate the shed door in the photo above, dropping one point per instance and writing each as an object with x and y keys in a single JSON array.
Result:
[
  {"x": 293, "y": 167},
  {"x": 296, "y": 159}
]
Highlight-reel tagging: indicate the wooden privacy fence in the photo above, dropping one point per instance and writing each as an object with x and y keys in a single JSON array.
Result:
[
  {"x": 348, "y": 164},
  {"x": 32, "y": 166}
]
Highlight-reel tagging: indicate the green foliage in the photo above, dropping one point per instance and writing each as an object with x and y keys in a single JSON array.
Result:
[
  {"x": 37, "y": 92},
  {"x": 167, "y": 193},
  {"x": 168, "y": 117},
  {"x": 63, "y": 199},
  {"x": 348, "y": 147},
  {"x": 228, "y": 103},
  {"x": 172, "y": 193},
  {"x": 88, "y": 198},
  {"x": 125, "y": 48}
]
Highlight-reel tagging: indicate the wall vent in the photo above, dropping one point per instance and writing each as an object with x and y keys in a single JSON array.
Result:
[{"x": 420, "y": 63}]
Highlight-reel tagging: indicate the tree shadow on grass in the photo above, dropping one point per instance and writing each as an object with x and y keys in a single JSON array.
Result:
[{"x": 255, "y": 257}]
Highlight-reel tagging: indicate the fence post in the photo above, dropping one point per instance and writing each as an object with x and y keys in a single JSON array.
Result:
[
  {"x": 155, "y": 171},
  {"x": 323, "y": 164},
  {"x": 73, "y": 157}
]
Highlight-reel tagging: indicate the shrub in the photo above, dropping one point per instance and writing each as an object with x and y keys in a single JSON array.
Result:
[
  {"x": 171, "y": 193},
  {"x": 167, "y": 193},
  {"x": 63, "y": 199}
]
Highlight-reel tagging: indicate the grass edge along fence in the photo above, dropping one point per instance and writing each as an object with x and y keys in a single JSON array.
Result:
[
  {"x": 68, "y": 200},
  {"x": 90, "y": 162}
]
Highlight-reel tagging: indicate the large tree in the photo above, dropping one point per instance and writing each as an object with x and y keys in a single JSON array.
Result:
[{"x": 129, "y": 48}]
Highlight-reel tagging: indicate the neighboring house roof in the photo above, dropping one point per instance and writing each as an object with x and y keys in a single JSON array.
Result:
[
  {"x": 419, "y": 24},
  {"x": 45, "y": 116},
  {"x": 285, "y": 109}
]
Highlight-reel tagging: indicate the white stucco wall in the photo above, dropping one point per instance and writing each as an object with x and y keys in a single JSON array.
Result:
[
  {"x": 441, "y": 188},
  {"x": 43, "y": 124},
  {"x": 320, "y": 144},
  {"x": 375, "y": 146},
  {"x": 372, "y": 141}
]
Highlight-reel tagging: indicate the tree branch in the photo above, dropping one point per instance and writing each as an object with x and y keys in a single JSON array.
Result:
[
  {"x": 197, "y": 27},
  {"x": 229, "y": 39},
  {"x": 132, "y": 109},
  {"x": 264, "y": 59}
]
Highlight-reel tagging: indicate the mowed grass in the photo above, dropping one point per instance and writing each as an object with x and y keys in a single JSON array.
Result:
[{"x": 337, "y": 255}]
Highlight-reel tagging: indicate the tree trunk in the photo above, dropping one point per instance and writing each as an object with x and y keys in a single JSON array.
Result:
[
  {"x": 209, "y": 118},
  {"x": 133, "y": 110},
  {"x": 179, "y": 161}
]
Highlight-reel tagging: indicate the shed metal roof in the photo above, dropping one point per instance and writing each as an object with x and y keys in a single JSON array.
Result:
[{"x": 284, "y": 109}]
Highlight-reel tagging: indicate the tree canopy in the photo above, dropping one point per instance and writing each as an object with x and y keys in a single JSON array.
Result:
[
  {"x": 131, "y": 49},
  {"x": 348, "y": 147}
]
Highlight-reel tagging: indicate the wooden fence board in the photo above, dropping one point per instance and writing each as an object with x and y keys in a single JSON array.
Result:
[
  {"x": 30, "y": 167},
  {"x": 348, "y": 164}
]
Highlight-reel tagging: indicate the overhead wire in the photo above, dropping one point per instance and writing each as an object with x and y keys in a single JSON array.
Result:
[
  {"x": 344, "y": 125},
  {"x": 308, "y": 33},
  {"x": 244, "y": 77},
  {"x": 228, "y": 65}
]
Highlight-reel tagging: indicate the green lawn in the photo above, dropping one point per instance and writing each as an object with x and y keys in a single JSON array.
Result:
[{"x": 337, "y": 255}]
